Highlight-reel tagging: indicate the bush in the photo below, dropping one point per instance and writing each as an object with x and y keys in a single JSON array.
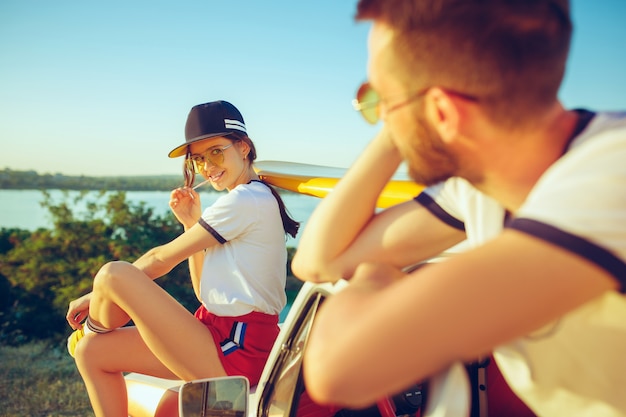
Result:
[{"x": 44, "y": 270}]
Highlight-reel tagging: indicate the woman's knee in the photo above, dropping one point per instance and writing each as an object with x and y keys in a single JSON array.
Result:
[
  {"x": 110, "y": 274},
  {"x": 86, "y": 352}
]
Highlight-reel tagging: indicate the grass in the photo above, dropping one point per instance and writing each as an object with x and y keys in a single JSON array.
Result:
[
  {"x": 37, "y": 380},
  {"x": 40, "y": 380}
]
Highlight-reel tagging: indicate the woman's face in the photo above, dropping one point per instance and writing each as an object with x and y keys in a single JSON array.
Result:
[{"x": 222, "y": 161}]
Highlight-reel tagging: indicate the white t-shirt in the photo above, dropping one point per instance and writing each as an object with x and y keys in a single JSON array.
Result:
[
  {"x": 247, "y": 271},
  {"x": 575, "y": 366}
]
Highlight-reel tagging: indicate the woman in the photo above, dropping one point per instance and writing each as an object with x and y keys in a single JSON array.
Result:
[{"x": 237, "y": 261}]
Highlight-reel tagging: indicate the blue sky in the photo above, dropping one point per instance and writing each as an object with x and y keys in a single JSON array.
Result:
[{"x": 104, "y": 88}]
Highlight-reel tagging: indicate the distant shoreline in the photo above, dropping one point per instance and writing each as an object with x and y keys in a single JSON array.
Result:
[{"x": 31, "y": 180}]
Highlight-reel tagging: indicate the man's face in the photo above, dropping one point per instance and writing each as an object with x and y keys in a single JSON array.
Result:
[{"x": 428, "y": 158}]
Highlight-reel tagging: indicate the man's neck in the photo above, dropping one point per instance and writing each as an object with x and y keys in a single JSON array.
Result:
[{"x": 514, "y": 168}]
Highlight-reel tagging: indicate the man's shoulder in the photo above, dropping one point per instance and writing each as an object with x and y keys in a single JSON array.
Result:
[
  {"x": 610, "y": 125},
  {"x": 456, "y": 188},
  {"x": 461, "y": 199}
]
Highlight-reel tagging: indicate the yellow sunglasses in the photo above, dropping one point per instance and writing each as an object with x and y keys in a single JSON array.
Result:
[{"x": 215, "y": 156}]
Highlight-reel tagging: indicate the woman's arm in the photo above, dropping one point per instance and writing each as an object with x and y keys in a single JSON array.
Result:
[
  {"x": 160, "y": 260},
  {"x": 196, "y": 261},
  {"x": 186, "y": 206}
]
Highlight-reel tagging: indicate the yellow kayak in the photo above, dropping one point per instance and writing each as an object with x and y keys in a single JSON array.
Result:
[{"x": 319, "y": 180}]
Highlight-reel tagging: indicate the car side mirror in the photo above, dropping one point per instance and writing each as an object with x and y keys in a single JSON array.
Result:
[{"x": 225, "y": 396}]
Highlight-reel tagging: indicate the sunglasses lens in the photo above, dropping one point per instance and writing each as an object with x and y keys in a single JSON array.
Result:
[
  {"x": 197, "y": 165},
  {"x": 368, "y": 101},
  {"x": 216, "y": 156}
]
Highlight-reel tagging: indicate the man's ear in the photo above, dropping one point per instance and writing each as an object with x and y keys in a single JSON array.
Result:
[{"x": 443, "y": 113}]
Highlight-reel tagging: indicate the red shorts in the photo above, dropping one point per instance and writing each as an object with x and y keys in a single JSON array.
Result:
[{"x": 243, "y": 342}]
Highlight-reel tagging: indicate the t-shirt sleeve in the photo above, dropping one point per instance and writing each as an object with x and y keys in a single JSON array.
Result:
[
  {"x": 449, "y": 201},
  {"x": 430, "y": 198},
  {"x": 230, "y": 216},
  {"x": 580, "y": 203}
]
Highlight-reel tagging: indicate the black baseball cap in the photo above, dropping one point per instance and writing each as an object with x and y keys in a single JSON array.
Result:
[{"x": 217, "y": 118}]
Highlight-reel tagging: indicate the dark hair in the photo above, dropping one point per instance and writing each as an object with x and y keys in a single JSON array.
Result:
[
  {"x": 511, "y": 54},
  {"x": 189, "y": 173},
  {"x": 290, "y": 225}
]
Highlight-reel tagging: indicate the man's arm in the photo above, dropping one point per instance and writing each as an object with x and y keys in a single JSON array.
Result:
[
  {"x": 388, "y": 333},
  {"x": 345, "y": 230}
]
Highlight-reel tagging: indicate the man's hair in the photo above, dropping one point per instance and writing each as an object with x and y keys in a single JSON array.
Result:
[{"x": 510, "y": 54}]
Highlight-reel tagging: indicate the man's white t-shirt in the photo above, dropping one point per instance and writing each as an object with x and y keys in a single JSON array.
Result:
[{"x": 575, "y": 366}]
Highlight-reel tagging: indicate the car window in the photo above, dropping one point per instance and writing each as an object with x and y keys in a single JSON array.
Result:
[{"x": 282, "y": 392}]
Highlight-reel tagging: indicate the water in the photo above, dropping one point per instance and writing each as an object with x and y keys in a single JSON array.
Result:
[{"x": 22, "y": 208}]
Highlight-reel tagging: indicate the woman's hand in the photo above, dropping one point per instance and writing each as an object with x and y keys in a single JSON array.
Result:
[
  {"x": 78, "y": 311},
  {"x": 185, "y": 204}
]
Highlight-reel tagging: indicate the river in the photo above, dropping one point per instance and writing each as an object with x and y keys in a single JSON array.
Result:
[{"x": 22, "y": 209}]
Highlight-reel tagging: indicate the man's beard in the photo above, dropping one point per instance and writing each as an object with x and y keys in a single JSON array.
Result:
[{"x": 429, "y": 161}]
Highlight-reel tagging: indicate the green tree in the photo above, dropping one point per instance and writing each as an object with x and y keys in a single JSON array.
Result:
[{"x": 49, "y": 267}]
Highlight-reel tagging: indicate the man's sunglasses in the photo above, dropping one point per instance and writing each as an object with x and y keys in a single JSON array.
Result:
[{"x": 368, "y": 102}]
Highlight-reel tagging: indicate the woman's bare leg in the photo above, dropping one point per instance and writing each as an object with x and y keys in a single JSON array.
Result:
[
  {"x": 168, "y": 340},
  {"x": 101, "y": 359}
]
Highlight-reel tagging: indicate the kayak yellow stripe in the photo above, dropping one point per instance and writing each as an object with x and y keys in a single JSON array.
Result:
[{"x": 395, "y": 192}]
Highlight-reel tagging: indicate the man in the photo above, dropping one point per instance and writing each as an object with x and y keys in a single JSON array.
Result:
[{"x": 468, "y": 94}]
